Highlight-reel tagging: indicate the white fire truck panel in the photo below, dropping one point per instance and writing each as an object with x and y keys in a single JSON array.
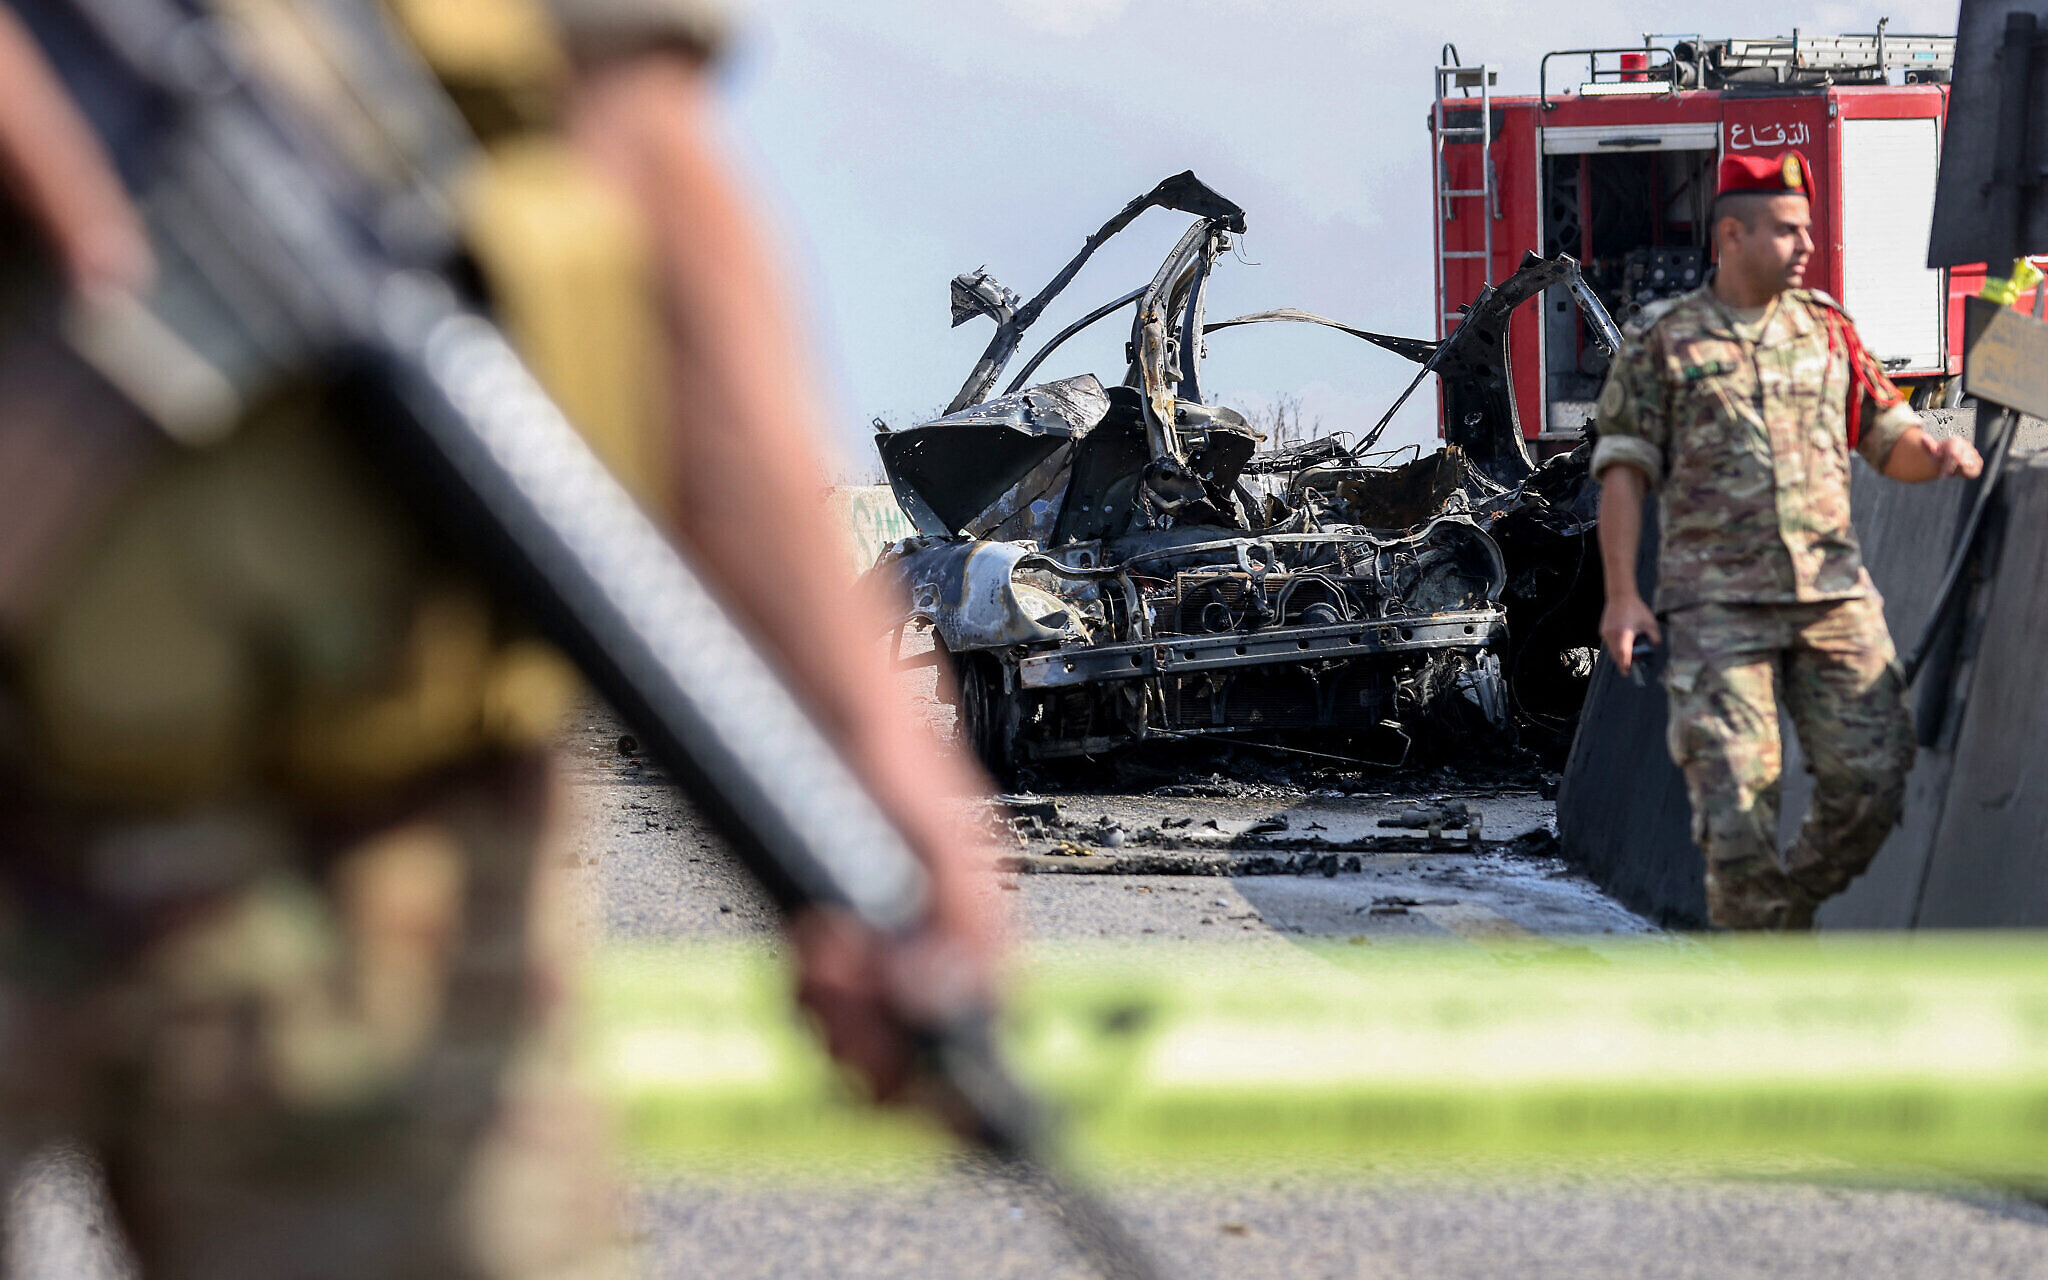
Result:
[{"x": 1900, "y": 306}]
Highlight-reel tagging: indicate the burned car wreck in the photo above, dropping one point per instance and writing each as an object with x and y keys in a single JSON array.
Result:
[{"x": 1104, "y": 565}]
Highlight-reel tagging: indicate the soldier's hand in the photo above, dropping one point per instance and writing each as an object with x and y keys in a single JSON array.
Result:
[
  {"x": 1955, "y": 456},
  {"x": 873, "y": 996},
  {"x": 1621, "y": 622}
]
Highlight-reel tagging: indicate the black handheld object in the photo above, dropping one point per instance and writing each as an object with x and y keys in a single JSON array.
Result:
[
  {"x": 1640, "y": 655},
  {"x": 282, "y": 257}
]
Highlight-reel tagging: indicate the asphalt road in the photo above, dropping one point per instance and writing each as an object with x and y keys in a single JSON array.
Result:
[
  {"x": 649, "y": 869},
  {"x": 654, "y": 872}
]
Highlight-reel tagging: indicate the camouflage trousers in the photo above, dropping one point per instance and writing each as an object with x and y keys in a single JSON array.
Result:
[
  {"x": 306, "y": 1049},
  {"x": 1833, "y": 667}
]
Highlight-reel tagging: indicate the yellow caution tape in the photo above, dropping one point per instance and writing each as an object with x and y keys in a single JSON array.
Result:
[
  {"x": 1863, "y": 1054},
  {"x": 2006, "y": 290}
]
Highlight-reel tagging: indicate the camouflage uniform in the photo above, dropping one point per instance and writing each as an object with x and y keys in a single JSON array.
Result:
[
  {"x": 1762, "y": 592},
  {"x": 276, "y": 938}
]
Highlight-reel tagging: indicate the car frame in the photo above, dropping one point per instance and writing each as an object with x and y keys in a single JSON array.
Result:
[{"x": 1107, "y": 565}]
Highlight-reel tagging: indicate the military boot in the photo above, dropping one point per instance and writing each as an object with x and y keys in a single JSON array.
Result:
[{"x": 1755, "y": 896}]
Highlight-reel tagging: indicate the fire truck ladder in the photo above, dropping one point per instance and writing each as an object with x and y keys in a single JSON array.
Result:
[
  {"x": 1464, "y": 80},
  {"x": 1879, "y": 51}
]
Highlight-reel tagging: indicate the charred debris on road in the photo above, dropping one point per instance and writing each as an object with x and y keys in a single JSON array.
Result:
[{"x": 1112, "y": 565}]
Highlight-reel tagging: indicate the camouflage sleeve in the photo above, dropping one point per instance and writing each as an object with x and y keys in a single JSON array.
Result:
[
  {"x": 1632, "y": 415},
  {"x": 1882, "y": 429},
  {"x": 595, "y": 29},
  {"x": 1882, "y": 426}
]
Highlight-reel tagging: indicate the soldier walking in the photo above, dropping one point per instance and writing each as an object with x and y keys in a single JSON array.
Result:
[{"x": 1739, "y": 403}]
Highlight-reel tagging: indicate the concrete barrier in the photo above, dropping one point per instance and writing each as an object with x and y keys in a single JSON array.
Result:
[
  {"x": 1969, "y": 850},
  {"x": 1984, "y": 864}
]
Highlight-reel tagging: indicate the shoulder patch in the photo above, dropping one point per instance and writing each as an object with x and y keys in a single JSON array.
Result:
[
  {"x": 1819, "y": 303},
  {"x": 1820, "y": 298},
  {"x": 1643, "y": 321}
]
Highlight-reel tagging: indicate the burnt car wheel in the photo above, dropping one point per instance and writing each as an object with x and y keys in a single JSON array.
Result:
[{"x": 988, "y": 715}]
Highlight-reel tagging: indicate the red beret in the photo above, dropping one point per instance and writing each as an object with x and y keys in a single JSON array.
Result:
[{"x": 1786, "y": 173}]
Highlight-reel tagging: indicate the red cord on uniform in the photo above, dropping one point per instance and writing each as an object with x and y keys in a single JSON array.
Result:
[{"x": 1866, "y": 375}]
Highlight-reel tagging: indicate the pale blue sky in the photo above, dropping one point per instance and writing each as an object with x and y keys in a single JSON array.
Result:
[{"x": 899, "y": 142}]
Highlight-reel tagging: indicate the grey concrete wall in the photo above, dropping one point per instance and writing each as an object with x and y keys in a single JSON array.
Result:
[
  {"x": 1971, "y": 846},
  {"x": 1988, "y": 862}
]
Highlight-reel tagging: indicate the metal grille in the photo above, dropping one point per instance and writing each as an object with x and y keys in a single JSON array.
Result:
[
  {"x": 1280, "y": 698},
  {"x": 1195, "y": 592}
]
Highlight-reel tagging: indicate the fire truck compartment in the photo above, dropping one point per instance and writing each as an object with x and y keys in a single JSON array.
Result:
[
  {"x": 1618, "y": 172},
  {"x": 1632, "y": 207}
]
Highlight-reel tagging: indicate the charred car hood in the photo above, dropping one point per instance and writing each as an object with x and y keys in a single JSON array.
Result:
[{"x": 950, "y": 471}]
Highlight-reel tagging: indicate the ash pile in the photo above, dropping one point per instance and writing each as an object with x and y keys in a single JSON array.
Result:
[{"x": 1106, "y": 566}]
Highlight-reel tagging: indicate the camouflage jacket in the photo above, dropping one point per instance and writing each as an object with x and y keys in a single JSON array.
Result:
[{"x": 1742, "y": 427}]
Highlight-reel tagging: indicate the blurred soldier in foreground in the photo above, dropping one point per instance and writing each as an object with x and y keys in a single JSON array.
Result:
[
  {"x": 1740, "y": 402},
  {"x": 272, "y": 784}
]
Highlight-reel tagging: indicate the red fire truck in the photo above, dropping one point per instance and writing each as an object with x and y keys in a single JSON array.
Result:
[{"x": 1613, "y": 161}]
